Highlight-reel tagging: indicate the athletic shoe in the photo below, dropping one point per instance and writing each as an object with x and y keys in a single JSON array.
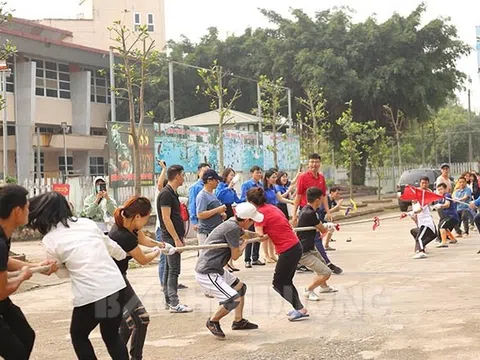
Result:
[
  {"x": 248, "y": 264},
  {"x": 328, "y": 248},
  {"x": 181, "y": 287},
  {"x": 453, "y": 242},
  {"x": 311, "y": 295},
  {"x": 180, "y": 309},
  {"x": 296, "y": 315},
  {"x": 327, "y": 290},
  {"x": 336, "y": 270},
  {"x": 244, "y": 324},
  {"x": 442, "y": 246},
  {"x": 258, "y": 263},
  {"x": 332, "y": 240},
  {"x": 215, "y": 329},
  {"x": 420, "y": 255},
  {"x": 304, "y": 269}
]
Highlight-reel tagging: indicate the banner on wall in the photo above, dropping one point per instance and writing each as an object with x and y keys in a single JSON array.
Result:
[
  {"x": 190, "y": 146},
  {"x": 184, "y": 145},
  {"x": 120, "y": 144}
]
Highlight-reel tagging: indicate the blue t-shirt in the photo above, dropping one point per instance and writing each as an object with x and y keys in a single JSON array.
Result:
[
  {"x": 247, "y": 186},
  {"x": 226, "y": 195},
  {"x": 192, "y": 197},
  {"x": 271, "y": 196},
  {"x": 282, "y": 189},
  {"x": 207, "y": 201},
  {"x": 451, "y": 211},
  {"x": 460, "y": 193}
]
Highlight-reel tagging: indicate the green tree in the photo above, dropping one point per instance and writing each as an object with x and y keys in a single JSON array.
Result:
[
  {"x": 214, "y": 89},
  {"x": 377, "y": 155},
  {"x": 356, "y": 145},
  {"x": 272, "y": 101},
  {"x": 313, "y": 124},
  {"x": 136, "y": 50}
]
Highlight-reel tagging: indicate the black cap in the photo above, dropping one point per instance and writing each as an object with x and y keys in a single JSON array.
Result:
[
  {"x": 211, "y": 174},
  {"x": 444, "y": 165}
]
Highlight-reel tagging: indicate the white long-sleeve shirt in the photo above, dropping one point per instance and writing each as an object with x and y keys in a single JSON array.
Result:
[{"x": 87, "y": 255}]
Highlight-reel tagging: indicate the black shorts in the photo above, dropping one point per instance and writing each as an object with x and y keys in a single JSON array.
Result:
[{"x": 448, "y": 223}]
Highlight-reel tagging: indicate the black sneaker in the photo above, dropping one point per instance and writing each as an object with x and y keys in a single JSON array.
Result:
[
  {"x": 336, "y": 270},
  {"x": 215, "y": 329},
  {"x": 304, "y": 269},
  {"x": 248, "y": 264},
  {"x": 332, "y": 240},
  {"x": 181, "y": 287},
  {"x": 244, "y": 324},
  {"x": 258, "y": 263}
]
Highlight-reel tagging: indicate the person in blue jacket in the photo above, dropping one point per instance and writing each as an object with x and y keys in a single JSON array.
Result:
[
  {"x": 193, "y": 192},
  {"x": 227, "y": 195},
  {"x": 252, "y": 251}
]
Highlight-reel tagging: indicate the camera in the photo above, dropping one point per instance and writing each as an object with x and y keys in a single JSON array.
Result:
[{"x": 102, "y": 187}]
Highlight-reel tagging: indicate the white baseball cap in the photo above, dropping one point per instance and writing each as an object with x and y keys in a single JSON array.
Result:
[{"x": 248, "y": 211}]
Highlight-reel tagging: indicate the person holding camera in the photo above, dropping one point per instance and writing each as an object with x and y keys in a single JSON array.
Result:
[{"x": 100, "y": 206}]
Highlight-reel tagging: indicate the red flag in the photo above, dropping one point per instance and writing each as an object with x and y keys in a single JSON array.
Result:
[{"x": 423, "y": 197}]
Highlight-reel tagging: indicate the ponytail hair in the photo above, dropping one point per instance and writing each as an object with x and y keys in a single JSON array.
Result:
[{"x": 134, "y": 206}]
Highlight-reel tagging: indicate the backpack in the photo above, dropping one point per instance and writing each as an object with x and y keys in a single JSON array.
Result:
[{"x": 184, "y": 212}]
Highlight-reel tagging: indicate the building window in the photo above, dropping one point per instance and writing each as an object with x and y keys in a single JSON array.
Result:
[
  {"x": 10, "y": 78},
  {"x": 98, "y": 131},
  {"x": 97, "y": 166},
  {"x": 61, "y": 164},
  {"x": 42, "y": 163},
  {"x": 137, "y": 21},
  {"x": 151, "y": 23},
  {"x": 100, "y": 83},
  {"x": 53, "y": 79}
]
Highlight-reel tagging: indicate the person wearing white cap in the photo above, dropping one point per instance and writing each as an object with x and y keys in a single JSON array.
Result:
[{"x": 212, "y": 277}]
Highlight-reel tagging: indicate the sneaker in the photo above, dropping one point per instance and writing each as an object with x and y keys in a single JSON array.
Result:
[
  {"x": 244, "y": 324},
  {"x": 311, "y": 295},
  {"x": 442, "y": 246},
  {"x": 332, "y": 240},
  {"x": 248, "y": 264},
  {"x": 258, "y": 263},
  {"x": 327, "y": 290},
  {"x": 453, "y": 242},
  {"x": 336, "y": 270},
  {"x": 296, "y": 315},
  {"x": 420, "y": 255},
  {"x": 181, "y": 287},
  {"x": 215, "y": 329},
  {"x": 328, "y": 248},
  {"x": 304, "y": 269},
  {"x": 180, "y": 309}
]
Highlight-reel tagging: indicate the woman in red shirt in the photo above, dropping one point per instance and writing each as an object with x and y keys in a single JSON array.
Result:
[{"x": 287, "y": 245}]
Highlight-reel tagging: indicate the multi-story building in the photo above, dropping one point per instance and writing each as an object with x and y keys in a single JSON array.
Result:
[{"x": 61, "y": 75}]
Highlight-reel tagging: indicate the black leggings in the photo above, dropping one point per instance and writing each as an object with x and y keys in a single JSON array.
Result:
[
  {"x": 16, "y": 335},
  {"x": 108, "y": 313},
  {"x": 464, "y": 216},
  {"x": 135, "y": 322},
  {"x": 283, "y": 275}
]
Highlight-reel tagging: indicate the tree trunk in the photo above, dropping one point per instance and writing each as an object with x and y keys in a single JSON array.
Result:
[
  {"x": 136, "y": 166},
  {"x": 351, "y": 177},
  {"x": 220, "y": 124},
  {"x": 399, "y": 149},
  {"x": 359, "y": 173}
]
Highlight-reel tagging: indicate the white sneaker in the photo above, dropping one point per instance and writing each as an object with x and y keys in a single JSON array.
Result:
[
  {"x": 327, "y": 290},
  {"x": 420, "y": 255},
  {"x": 311, "y": 295},
  {"x": 180, "y": 309}
]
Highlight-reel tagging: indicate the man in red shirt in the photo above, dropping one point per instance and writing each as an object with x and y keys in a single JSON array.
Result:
[
  {"x": 310, "y": 178},
  {"x": 313, "y": 178}
]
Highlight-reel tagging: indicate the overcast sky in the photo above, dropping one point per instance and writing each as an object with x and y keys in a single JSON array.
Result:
[{"x": 193, "y": 17}]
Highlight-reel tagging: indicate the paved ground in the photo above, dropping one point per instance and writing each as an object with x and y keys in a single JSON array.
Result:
[{"x": 388, "y": 307}]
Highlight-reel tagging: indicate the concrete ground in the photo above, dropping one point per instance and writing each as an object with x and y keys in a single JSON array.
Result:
[{"x": 389, "y": 306}]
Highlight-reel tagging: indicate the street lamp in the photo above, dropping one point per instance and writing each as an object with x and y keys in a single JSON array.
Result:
[
  {"x": 5, "y": 72},
  {"x": 65, "y": 129}
]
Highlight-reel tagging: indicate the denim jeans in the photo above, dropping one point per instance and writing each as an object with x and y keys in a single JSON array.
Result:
[
  {"x": 170, "y": 276},
  {"x": 163, "y": 257}
]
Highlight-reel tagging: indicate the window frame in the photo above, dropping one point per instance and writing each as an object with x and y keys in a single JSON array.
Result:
[
  {"x": 61, "y": 167},
  {"x": 150, "y": 24},
  {"x": 137, "y": 25},
  {"x": 49, "y": 72},
  {"x": 95, "y": 165}
]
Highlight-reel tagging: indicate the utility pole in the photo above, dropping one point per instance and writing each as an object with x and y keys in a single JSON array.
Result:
[
  {"x": 289, "y": 98},
  {"x": 470, "y": 150},
  {"x": 171, "y": 92},
  {"x": 113, "y": 109}
]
